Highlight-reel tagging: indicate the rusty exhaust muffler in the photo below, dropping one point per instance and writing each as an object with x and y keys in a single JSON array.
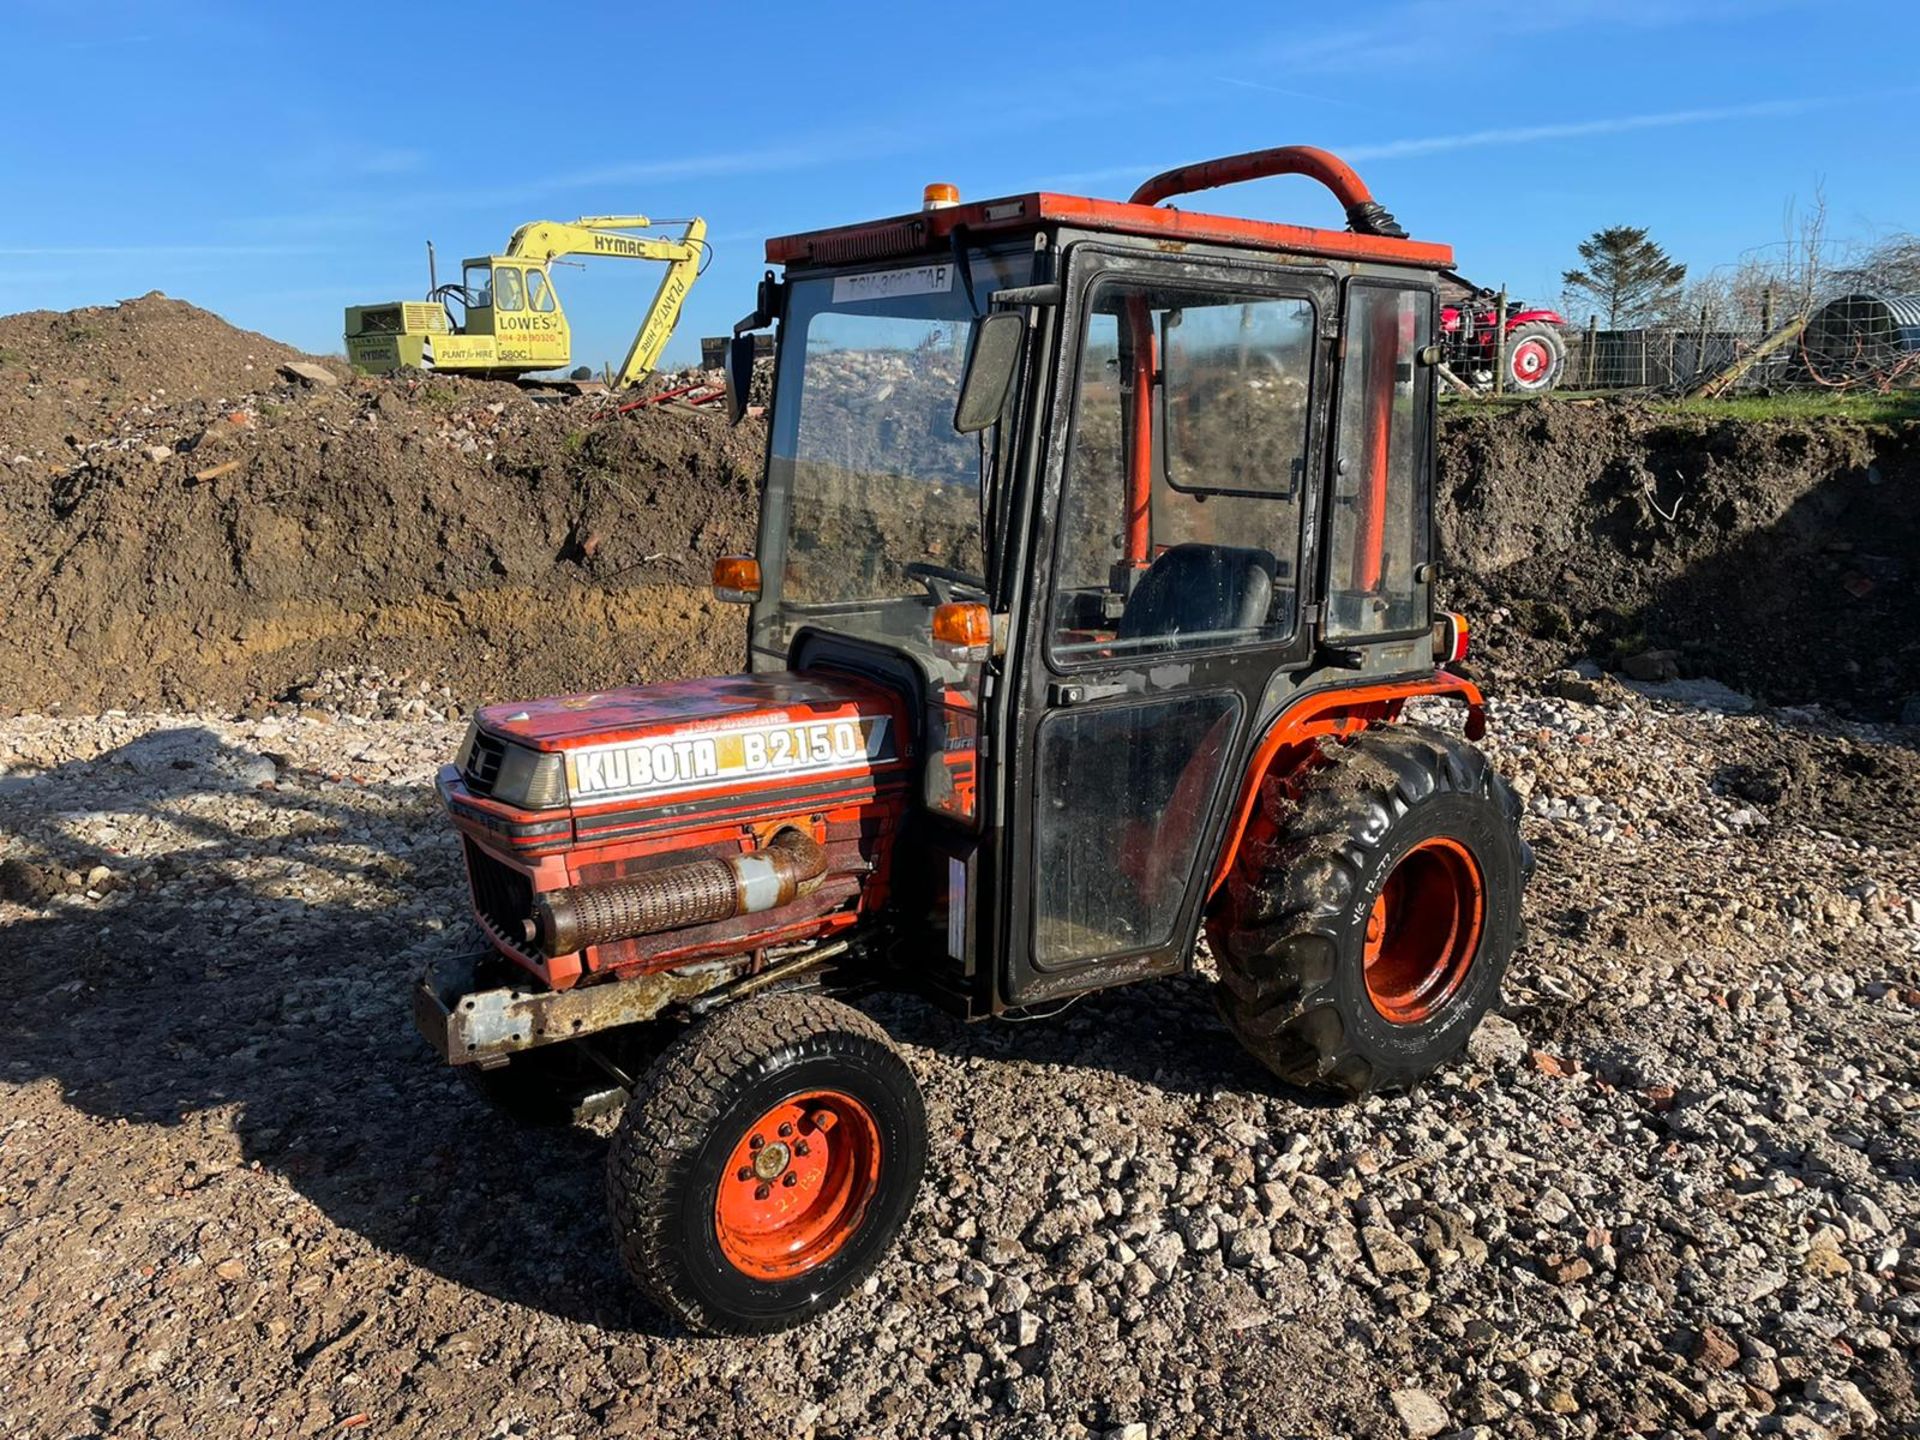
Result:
[{"x": 790, "y": 865}]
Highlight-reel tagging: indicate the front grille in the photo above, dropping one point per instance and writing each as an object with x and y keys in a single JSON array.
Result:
[
  {"x": 483, "y": 764},
  {"x": 501, "y": 894},
  {"x": 385, "y": 321}
]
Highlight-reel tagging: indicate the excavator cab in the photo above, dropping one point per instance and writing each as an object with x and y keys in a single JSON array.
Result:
[{"x": 514, "y": 301}]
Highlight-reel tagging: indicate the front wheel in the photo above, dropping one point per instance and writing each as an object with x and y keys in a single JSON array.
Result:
[
  {"x": 1371, "y": 913},
  {"x": 765, "y": 1163}
]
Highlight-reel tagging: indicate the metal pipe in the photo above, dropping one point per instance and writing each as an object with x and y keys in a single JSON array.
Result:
[
  {"x": 1364, "y": 214},
  {"x": 679, "y": 896}
]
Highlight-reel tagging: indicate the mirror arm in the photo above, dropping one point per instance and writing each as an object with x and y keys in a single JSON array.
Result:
[{"x": 766, "y": 307}]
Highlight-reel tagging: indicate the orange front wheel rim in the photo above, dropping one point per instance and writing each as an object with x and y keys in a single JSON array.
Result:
[
  {"x": 798, "y": 1184},
  {"x": 1424, "y": 931}
]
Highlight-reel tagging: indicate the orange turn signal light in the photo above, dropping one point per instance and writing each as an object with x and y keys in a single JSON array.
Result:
[
  {"x": 1450, "y": 637},
  {"x": 963, "y": 627},
  {"x": 736, "y": 578}
]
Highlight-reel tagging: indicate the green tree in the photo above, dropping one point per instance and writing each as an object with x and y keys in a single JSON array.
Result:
[{"x": 1626, "y": 277}]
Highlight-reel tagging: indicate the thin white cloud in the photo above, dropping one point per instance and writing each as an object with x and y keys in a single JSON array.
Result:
[
  {"x": 1279, "y": 90},
  {"x": 1519, "y": 135},
  {"x": 1577, "y": 129}
]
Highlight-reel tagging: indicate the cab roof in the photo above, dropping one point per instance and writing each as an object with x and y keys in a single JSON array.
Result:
[{"x": 933, "y": 230}]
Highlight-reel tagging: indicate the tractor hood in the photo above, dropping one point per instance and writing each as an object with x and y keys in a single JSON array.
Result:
[{"x": 688, "y": 738}]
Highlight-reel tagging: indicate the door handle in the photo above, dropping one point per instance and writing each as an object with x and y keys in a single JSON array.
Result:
[{"x": 1082, "y": 692}]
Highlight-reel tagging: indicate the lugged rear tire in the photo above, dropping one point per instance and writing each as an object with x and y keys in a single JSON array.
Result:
[
  {"x": 709, "y": 1220},
  {"x": 1408, "y": 830}
]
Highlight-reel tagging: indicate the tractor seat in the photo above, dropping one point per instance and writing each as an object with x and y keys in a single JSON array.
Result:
[{"x": 1200, "y": 589}]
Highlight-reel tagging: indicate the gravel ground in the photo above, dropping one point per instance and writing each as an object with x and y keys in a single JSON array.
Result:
[{"x": 1675, "y": 1189}]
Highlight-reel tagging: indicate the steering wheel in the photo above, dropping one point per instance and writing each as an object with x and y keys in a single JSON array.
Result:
[{"x": 941, "y": 580}]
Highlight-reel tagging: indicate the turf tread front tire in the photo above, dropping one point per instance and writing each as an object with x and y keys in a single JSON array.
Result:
[
  {"x": 1289, "y": 938},
  {"x": 660, "y": 1164}
]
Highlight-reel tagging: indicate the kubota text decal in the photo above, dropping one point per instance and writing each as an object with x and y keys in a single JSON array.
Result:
[{"x": 693, "y": 761}]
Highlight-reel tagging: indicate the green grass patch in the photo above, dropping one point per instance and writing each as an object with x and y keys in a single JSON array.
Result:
[
  {"x": 1863, "y": 406},
  {"x": 1804, "y": 405}
]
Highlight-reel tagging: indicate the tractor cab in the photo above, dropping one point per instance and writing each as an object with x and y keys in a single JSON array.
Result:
[{"x": 1107, "y": 489}]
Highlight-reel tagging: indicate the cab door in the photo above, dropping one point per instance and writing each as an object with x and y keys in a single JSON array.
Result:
[
  {"x": 547, "y": 323},
  {"x": 1187, "y": 424}
]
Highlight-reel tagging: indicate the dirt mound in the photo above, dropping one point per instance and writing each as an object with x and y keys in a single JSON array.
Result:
[
  {"x": 221, "y": 548},
  {"x": 1776, "y": 556},
  {"x": 76, "y": 372},
  {"x": 181, "y": 521}
]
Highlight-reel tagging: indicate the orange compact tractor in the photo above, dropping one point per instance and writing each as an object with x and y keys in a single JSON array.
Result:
[{"x": 1095, "y": 568}]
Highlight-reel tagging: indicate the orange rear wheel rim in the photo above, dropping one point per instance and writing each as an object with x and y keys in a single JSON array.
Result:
[
  {"x": 798, "y": 1184},
  {"x": 1424, "y": 930}
]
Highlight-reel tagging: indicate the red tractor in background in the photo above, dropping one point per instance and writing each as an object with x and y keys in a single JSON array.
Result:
[
  {"x": 1470, "y": 327},
  {"x": 1095, "y": 569}
]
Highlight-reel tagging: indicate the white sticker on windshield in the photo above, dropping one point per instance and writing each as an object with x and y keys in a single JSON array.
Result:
[{"x": 886, "y": 284}]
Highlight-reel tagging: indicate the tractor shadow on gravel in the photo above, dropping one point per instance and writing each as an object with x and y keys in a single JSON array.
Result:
[
  {"x": 1164, "y": 1035},
  {"x": 228, "y": 1023}
]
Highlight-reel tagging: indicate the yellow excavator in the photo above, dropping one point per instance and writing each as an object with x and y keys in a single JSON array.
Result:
[{"x": 511, "y": 323}]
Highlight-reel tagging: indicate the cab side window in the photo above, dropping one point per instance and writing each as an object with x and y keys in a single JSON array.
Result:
[
  {"x": 507, "y": 293},
  {"x": 539, "y": 293},
  {"x": 1186, "y": 472}
]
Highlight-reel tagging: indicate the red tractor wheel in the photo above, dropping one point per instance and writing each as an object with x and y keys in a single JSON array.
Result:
[
  {"x": 1536, "y": 355},
  {"x": 766, "y": 1163},
  {"x": 1371, "y": 912}
]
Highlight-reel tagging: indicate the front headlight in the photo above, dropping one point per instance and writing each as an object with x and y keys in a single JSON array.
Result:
[{"x": 531, "y": 779}]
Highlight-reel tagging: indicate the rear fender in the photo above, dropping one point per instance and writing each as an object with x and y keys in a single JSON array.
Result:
[
  {"x": 1532, "y": 317},
  {"x": 1289, "y": 744}
]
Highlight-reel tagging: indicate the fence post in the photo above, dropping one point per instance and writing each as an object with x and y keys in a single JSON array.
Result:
[
  {"x": 1593, "y": 345},
  {"x": 1766, "y": 310},
  {"x": 1500, "y": 344},
  {"x": 1700, "y": 348}
]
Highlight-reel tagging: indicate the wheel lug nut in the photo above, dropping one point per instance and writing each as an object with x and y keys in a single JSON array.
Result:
[
  {"x": 746, "y": 1172},
  {"x": 790, "y": 1179},
  {"x": 755, "y": 1143},
  {"x": 761, "y": 1192},
  {"x": 800, "y": 1147},
  {"x": 785, "y": 1129}
]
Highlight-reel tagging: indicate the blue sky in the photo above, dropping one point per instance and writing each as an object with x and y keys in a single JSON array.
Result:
[{"x": 275, "y": 163}]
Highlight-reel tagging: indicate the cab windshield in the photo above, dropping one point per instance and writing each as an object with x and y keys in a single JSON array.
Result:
[{"x": 872, "y": 510}]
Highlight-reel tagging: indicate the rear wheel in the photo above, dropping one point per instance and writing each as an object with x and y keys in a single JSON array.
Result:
[
  {"x": 1372, "y": 910},
  {"x": 766, "y": 1163},
  {"x": 1535, "y": 357}
]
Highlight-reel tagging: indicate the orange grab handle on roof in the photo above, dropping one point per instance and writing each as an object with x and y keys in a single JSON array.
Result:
[{"x": 1330, "y": 170}]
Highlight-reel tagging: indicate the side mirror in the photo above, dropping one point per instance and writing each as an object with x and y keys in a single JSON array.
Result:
[
  {"x": 988, "y": 379},
  {"x": 739, "y": 368}
]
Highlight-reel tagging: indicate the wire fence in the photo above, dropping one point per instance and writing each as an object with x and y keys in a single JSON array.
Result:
[
  {"x": 1847, "y": 342},
  {"x": 1803, "y": 317}
]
